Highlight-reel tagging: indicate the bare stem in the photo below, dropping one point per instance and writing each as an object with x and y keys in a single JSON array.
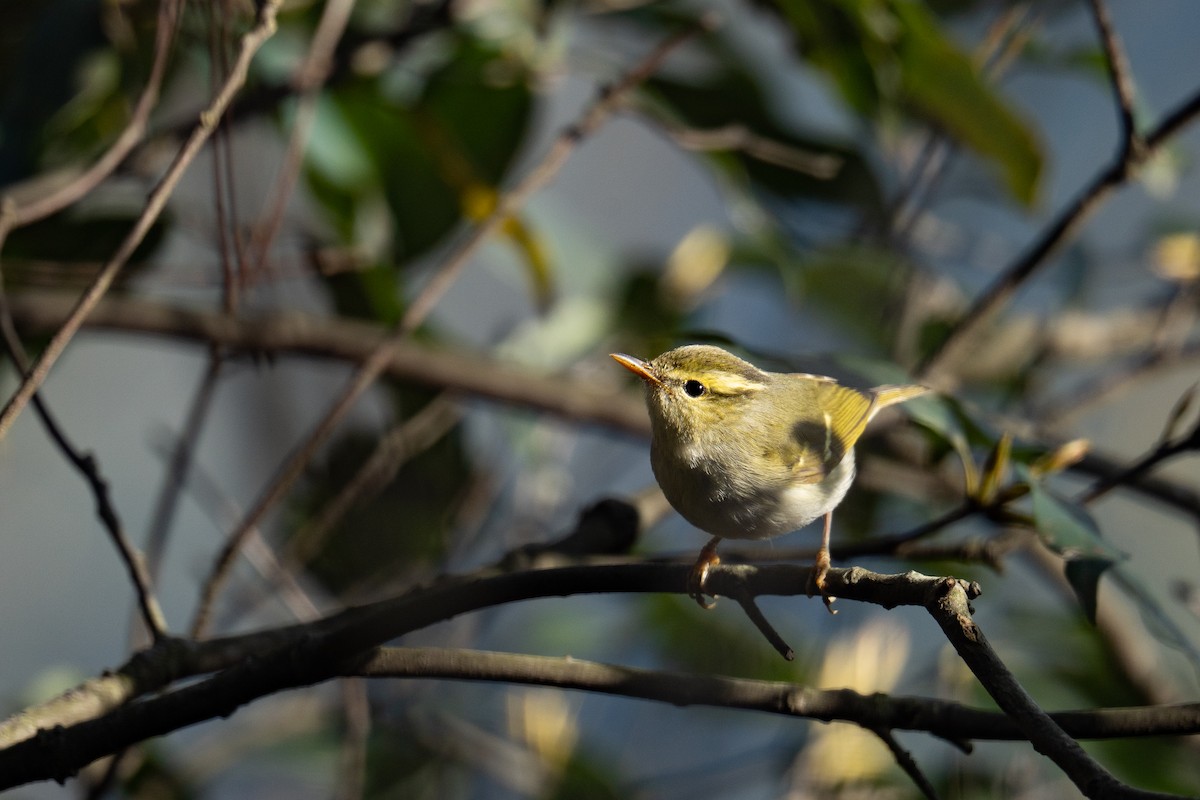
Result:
[
  {"x": 157, "y": 201},
  {"x": 953, "y": 347}
]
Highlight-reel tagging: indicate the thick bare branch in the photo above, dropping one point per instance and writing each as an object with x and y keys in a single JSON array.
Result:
[{"x": 255, "y": 665}]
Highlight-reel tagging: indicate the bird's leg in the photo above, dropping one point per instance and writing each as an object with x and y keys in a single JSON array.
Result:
[
  {"x": 821, "y": 567},
  {"x": 707, "y": 559}
]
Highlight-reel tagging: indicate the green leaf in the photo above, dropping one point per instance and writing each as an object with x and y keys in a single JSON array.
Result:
[
  {"x": 367, "y": 293},
  {"x": 945, "y": 86},
  {"x": 1069, "y": 529},
  {"x": 1066, "y": 527},
  {"x": 893, "y": 54},
  {"x": 430, "y": 158},
  {"x": 838, "y": 38},
  {"x": 1084, "y": 576},
  {"x": 1158, "y": 622}
]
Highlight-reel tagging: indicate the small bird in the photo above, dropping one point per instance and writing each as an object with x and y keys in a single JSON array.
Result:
[{"x": 742, "y": 453}]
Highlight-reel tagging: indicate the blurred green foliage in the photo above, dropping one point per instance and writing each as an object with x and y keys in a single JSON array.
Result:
[{"x": 426, "y": 113}]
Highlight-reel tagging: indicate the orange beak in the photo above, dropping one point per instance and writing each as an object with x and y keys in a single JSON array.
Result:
[{"x": 637, "y": 367}]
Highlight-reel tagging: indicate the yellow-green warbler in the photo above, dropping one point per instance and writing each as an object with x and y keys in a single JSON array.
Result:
[{"x": 746, "y": 454}]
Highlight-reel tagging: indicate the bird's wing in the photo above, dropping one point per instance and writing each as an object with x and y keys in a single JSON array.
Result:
[{"x": 820, "y": 443}]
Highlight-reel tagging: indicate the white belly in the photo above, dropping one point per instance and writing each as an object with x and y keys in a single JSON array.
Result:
[{"x": 723, "y": 508}]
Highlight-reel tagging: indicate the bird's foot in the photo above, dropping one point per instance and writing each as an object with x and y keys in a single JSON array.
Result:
[
  {"x": 706, "y": 561},
  {"x": 816, "y": 581}
]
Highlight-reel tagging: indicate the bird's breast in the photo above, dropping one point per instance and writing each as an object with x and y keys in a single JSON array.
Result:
[{"x": 732, "y": 502}]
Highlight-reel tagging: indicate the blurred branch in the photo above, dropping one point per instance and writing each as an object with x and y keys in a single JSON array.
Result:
[
  {"x": 1070, "y": 336},
  {"x": 310, "y": 75},
  {"x": 395, "y": 448},
  {"x": 1169, "y": 446},
  {"x": 277, "y": 581},
  {"x": 938, "y": 366},
  {"x": 263, "y": 29},
  {"x": 443, "y": 277},
  {"x": 1171, "y": 493},
  {"x": 1059, "y": 411},
  {"x": 179, "y": 462},
  {"x": 1168, "y": 345},
  {"x": 352, "y": 775},
  {"x": 740, "y": 138},
  {"x": 17, "y": 214},
  {"x": 350, "y": 340},
  {"x": 1122, "y": 80},
  {"x": 353, "y": 340},
  {"x": 906, "y": 762},
  {"x": 87, "y": 466}
]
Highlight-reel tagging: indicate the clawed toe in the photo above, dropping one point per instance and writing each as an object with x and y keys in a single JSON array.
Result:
[
  {"x": 707, "y": 559},
  {"x": 816, "y": 581}
]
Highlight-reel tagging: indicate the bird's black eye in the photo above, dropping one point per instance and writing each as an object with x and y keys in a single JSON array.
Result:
[{"x": 693, "y": 388}]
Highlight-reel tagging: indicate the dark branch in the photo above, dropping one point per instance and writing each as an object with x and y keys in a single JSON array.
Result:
[{"x": 935, "y": 367}]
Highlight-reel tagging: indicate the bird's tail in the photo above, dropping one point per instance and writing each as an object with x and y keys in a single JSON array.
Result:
[{"x": 890, "y": 395}]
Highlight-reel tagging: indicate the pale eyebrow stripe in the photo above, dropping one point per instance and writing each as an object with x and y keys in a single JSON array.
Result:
[{"x": 731, "y": 385}]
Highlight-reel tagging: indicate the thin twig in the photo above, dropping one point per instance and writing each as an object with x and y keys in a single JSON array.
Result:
[
  {"x": 14, "y": 216},
  {"x": 907, "y": 763},
  {"x": 1069, "y": 220},
  {"x": 1122, "y": 80},
  {"x": 87, "y": 466},
  {"x": 310, "y": 75},
  {"x": 421, "y": 306},
  {"x": 822, "y": 166},
  {"x": 754, "y": 613},
  {"x": 352, "y": 771},
  {"x": 395, "y": 448},
  {"x": 180, "y": 462},
  {"x": 1165, "y": 449},
  {"x": 263, "y": 29}
]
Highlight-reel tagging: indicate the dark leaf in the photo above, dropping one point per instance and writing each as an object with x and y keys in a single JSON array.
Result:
[
  {"x": 1157, "y": 620},
  {"x": 944, "y": 85},
  {"x": 1084, "y": 576},
  {"x": 1066, "y": 527},
  {"x": 895, "y": 55}
]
